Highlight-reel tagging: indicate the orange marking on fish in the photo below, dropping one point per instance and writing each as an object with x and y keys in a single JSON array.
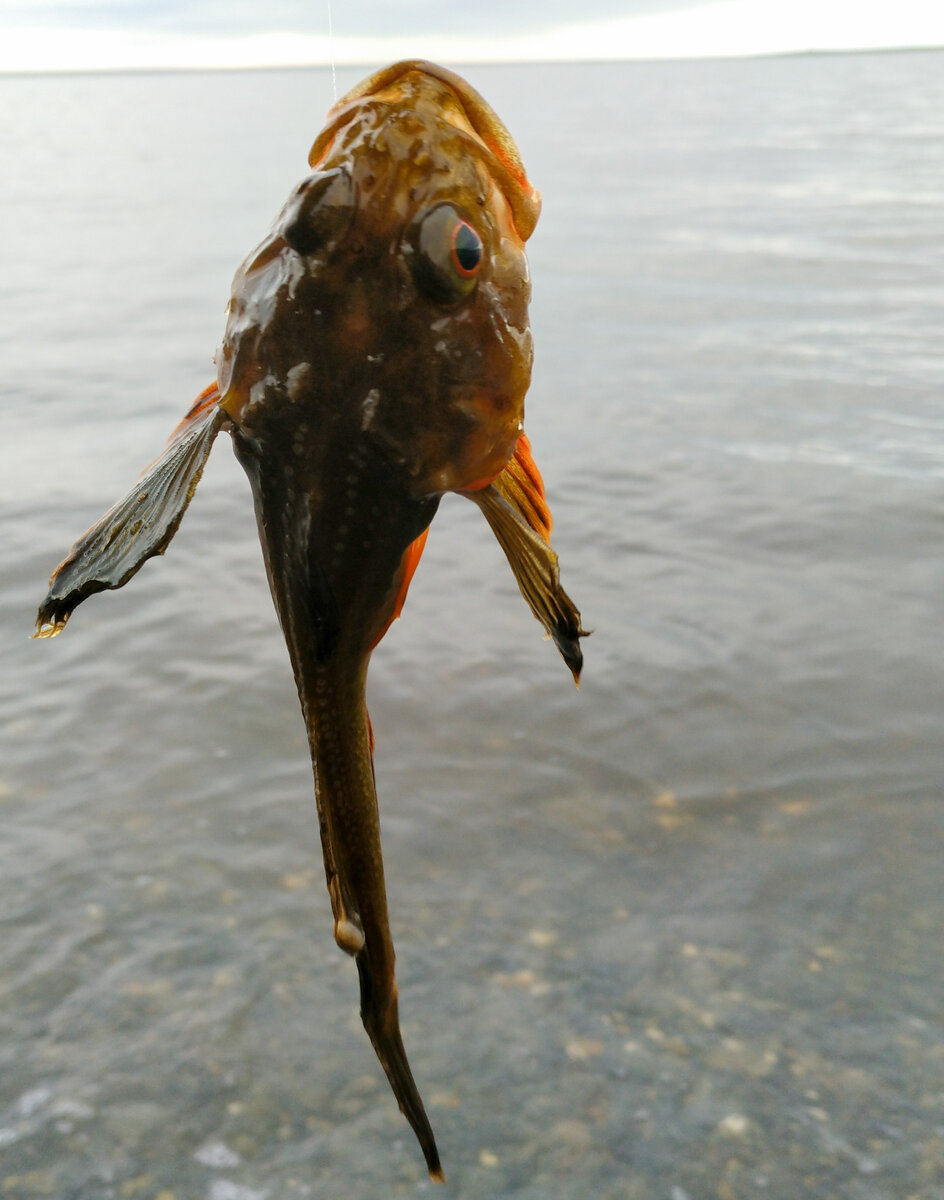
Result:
[
  {"x": 208, "y": 398},
  {"x": 408, "y": 565}
]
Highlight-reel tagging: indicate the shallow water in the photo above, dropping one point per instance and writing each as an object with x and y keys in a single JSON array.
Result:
[{"x": 676, "y": 935}]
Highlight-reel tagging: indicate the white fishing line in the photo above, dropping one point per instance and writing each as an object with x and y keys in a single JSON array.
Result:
[{"x": 334, "y": 74}]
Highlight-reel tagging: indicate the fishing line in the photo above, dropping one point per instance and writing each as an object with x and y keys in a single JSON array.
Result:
[{"x": 334, "y": 75}]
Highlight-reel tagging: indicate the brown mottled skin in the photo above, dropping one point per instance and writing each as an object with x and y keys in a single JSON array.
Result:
[
  {"x": 451, "y": 377},
  {"x": 367, "y": 367}
]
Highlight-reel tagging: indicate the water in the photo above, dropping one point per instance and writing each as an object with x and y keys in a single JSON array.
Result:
[{"x": 676, "y": 935}]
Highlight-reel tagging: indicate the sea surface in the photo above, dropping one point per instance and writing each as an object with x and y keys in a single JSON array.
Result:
[{"x": 676, "y": 936}]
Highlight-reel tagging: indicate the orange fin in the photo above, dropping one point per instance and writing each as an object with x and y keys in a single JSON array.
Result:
[
  {"x": 515, "y": 506},
  {"x": 521, "y": 485},
  {"x": 208, "y": 399},
  {"x": 408, "y": 564},
  {"x": 139, "y": 526}
]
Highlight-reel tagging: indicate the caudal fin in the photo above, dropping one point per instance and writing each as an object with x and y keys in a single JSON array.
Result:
[
  {"x": 139, "y": 526},
  {"x": 379, "y": 1014}
]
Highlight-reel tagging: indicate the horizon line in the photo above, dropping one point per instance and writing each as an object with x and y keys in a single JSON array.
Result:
[{"x": 368, "y": 62}]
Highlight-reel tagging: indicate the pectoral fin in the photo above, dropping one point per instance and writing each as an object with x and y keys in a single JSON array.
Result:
[
  {"x": 139, "y": 526},
  {"x": 515, "y": 507}
]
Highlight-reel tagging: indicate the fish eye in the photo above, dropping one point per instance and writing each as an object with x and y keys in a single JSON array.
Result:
[
  {"x": 448, "y": 254},
  {"x": 466, "y": 249}
]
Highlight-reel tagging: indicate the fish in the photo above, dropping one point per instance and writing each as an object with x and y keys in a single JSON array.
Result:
[{"x": 376, "y": 356}]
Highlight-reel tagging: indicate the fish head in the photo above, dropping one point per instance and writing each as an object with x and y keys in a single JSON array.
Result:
[{"x": 391, "y": 296}]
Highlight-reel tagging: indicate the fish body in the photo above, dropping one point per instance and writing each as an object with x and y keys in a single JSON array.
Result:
[{"x": 376, "y": 355}]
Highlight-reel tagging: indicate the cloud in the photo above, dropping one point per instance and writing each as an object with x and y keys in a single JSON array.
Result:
[
  {"x": 163, "y": 35},
  {"x": 349, "y": 18}
]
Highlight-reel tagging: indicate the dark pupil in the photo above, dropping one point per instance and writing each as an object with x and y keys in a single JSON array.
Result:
[{"x": 468, "y": 248}]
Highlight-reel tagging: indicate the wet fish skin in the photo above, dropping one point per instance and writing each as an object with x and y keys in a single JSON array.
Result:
[
  {"x": 330, "y": 614},
  {"x": 376, "y": 355}
]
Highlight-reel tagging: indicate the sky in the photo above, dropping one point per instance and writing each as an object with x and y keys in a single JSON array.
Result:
[{"x": 38, "y": 35}]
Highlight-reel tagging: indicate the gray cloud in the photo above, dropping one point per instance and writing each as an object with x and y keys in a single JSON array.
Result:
[{"x": 350, "y": 18}]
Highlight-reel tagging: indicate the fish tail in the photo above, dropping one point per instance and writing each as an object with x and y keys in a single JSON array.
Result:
[
  {"x": 138, "y": 526},
  {"x": 329, "y": 649},
  {"x": 379, "y": 1013},
  {"x": 341, "y": 738}
]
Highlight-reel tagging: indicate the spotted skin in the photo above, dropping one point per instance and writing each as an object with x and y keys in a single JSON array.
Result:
[{"x": 376, "y": 355}]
